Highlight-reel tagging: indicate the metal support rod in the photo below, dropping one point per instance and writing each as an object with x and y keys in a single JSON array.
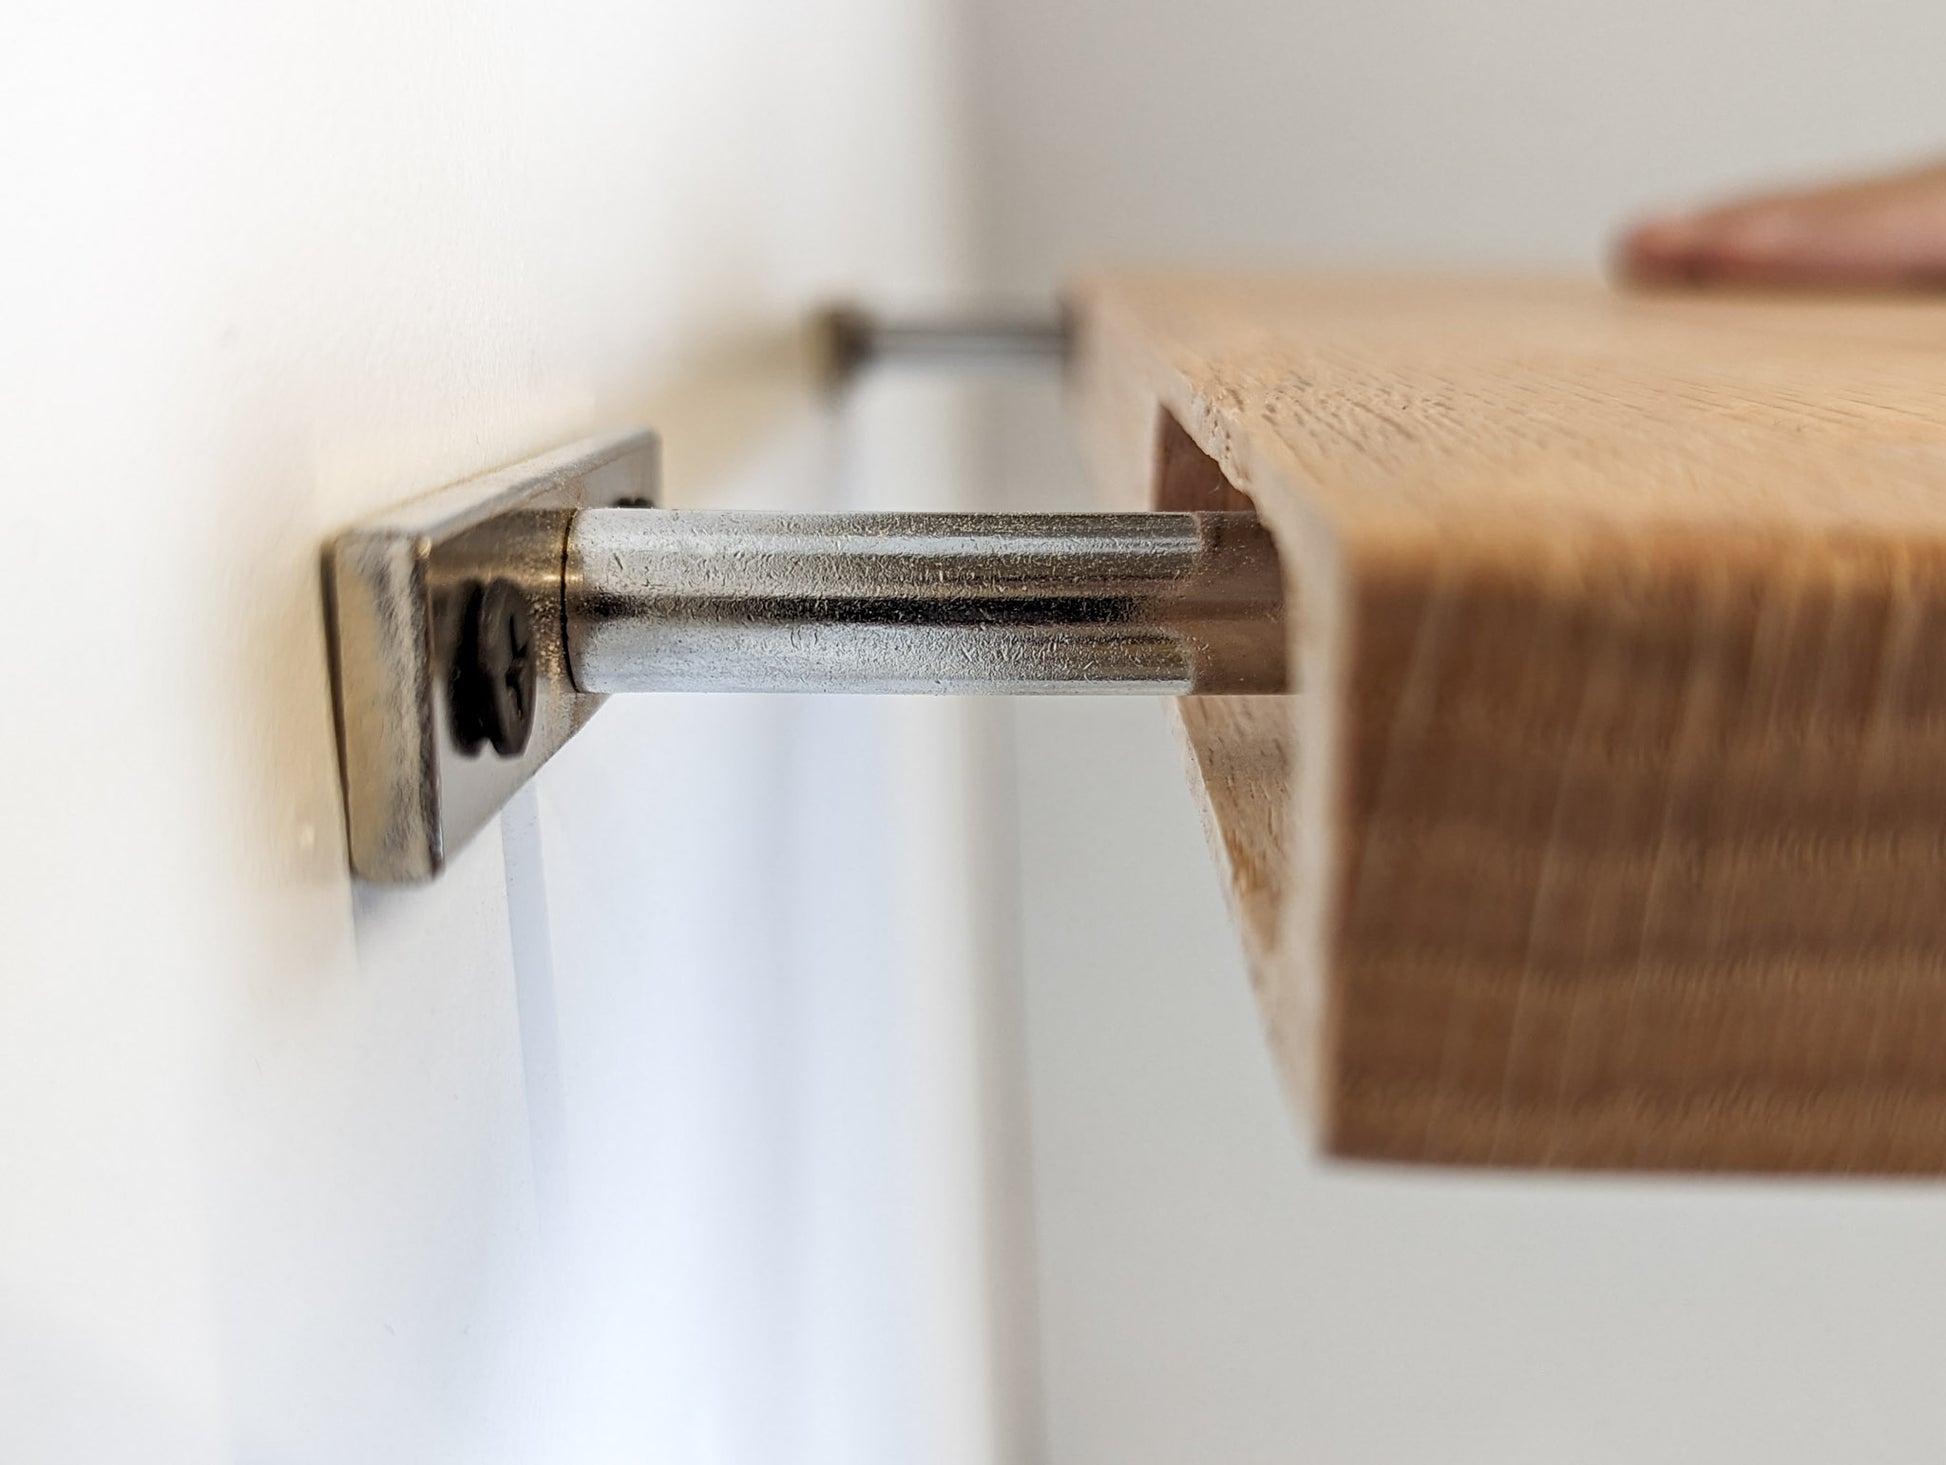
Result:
[
  {"x": 473, "y": 631},
  {"x": 855, "y": 339},
  {"x": 671, "y": 601}
]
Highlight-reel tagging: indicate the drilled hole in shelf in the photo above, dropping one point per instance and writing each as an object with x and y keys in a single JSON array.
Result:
[
  {"x": 1240, "y": 747},
  {"x": 1187, "y": 479}
]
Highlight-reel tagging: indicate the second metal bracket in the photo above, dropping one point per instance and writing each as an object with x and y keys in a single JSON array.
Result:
[{"x": 853, "y": 339}]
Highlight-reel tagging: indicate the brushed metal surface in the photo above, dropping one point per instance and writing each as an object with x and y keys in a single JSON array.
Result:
[
  {"x": 640, "y": 599},
  {"x": 394, "y": 585},
  {"x": 666, "y": 600}
]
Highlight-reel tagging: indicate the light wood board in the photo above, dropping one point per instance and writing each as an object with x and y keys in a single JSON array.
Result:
[{"x": 1608, "y": 827}]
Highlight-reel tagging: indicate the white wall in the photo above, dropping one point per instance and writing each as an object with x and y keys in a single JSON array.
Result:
[
  {"x": 1207, "y": 1291},
  {"x": 663, "y": 1127},
  {"x": 1488, "y": 131},
  {"x": 621, "y": 1141}
]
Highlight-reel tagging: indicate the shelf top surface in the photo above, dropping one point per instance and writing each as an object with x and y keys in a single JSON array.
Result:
[{"x": 1504, "y": 409}]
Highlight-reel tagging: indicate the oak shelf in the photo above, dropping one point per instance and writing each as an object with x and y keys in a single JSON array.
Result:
[{"x": 1608, "y": 825}]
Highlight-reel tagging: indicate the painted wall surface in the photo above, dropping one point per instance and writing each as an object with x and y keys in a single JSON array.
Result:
[
  {"x": 622, "y": 1141},
  {"x": 669, "y": 1124},
  {"x": 1207, "y": 1291}
]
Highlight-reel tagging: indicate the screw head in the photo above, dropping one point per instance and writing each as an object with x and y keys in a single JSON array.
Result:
[{"x": 492, "y": 688}]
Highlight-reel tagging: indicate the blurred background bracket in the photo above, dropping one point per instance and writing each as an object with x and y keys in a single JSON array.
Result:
[{"x": 852, "y": 338}]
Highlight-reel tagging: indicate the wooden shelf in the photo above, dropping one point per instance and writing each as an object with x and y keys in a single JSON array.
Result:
[{"x": 1608, "y": 827}]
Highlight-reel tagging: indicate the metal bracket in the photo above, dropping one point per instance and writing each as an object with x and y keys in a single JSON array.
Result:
[
  {"x": 853, "y": 339},
  {"x": 474, "y": 631},
  {"x": 404, "y": 590}
]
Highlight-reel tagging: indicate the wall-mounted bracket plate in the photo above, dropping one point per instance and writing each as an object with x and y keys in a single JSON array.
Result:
[{"x": 396, "y": 588}]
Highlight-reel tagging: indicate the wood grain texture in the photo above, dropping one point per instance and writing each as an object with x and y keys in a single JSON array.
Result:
[{"x": 1608, "y": 827}]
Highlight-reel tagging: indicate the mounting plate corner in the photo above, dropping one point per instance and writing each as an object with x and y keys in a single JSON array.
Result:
[{"x": 395, "y": 586}]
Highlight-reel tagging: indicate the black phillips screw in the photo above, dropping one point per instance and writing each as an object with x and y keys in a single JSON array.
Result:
[{"x": 493, "y": 670}]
